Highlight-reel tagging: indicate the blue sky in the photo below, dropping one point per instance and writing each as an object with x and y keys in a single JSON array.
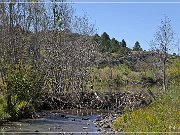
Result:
[{"x": 130, "y": 21}]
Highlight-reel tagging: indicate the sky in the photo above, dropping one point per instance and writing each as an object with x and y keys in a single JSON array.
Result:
[{"x": 130, "y": 21}]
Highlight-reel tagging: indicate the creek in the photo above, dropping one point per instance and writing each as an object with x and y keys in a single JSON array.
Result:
[
  {"x": 76, "y": 121},
  {"x": 70, "y": 121}
]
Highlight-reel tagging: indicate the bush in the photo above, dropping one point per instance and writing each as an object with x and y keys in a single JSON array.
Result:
[
  {"x": 24, "y": 89},
  {"x": 3, "y": 106}
]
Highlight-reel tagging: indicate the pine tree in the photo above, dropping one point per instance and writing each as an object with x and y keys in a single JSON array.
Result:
[
  {"x": 123, "y": 43},
  {"x": 137, "y": 47},
  {"x": 105, "y": 42}
]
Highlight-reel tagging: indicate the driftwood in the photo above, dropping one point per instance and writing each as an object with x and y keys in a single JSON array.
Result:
[{"x": 97, "y": 100}]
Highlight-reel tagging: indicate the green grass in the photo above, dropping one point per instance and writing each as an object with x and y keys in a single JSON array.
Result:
[
  {"x": 174, "y": 71},
  {"x": 3, "y": 114},
  {"x": 161, "y": 116},
  {"x": 106, "y": 75},
  {"x": 116, "y": 76}
]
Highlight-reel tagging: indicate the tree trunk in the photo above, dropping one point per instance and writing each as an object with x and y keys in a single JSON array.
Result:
[{"x": 164, "y": 73}]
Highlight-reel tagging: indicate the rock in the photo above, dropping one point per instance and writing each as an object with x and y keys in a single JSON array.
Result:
[
  {"x": 62, "y": 115},
  {"x": 85, "y": 127},
  {"x": 85, "y": 118}
]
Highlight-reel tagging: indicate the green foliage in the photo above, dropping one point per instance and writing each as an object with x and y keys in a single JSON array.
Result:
[
  {"x": 137, "y": 47},
  {"x": 123, "y": 43},
  {"x": 118, "y": 81},
  {"x": 161, "y": 116},
  {"x": 96, "y": 38},
  {"x": 105, "y": 36},
  {"x": 123, "y": 69},
  {"x": 174, "y": 71},
  {"x": 135, "y": 76},
  {"x": 3, "y": 106},
  {"x": 123, "y": 51},
  {"x": 24, "y": 109},
  {"x": 114, "y": 45},
  {"x": 104, "y": 42},
  {"x": 111, "y": 45},
  {"x": 24, "y": 87},
  {"x": 103, "y": 76}
]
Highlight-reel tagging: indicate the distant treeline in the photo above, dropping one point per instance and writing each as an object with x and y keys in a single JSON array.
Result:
[{"x": 114, "y": 46}]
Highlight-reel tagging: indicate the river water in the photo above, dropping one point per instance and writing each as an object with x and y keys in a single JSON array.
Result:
[{"x": 57, "y": 122}]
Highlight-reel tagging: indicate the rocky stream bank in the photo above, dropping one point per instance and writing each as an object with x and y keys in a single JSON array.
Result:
[
  {"x": 100, "y": 111},
  {"x": 114, "y": 102}
]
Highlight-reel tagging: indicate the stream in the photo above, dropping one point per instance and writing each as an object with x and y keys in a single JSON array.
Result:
[{"x": 57, "y": 122}]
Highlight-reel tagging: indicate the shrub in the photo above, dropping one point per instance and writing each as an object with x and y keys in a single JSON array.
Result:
[
  {"x": 24, "y": 89},
  {"x": 3, "y": 106}
]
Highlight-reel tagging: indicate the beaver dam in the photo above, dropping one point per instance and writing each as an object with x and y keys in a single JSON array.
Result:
[{"x": 98, "y": 100}]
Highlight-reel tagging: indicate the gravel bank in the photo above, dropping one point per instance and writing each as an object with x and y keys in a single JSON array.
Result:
[{"x": 105, "y": 123}]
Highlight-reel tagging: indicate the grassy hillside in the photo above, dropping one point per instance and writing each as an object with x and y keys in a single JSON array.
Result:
[{"x": 161, "y": 116}]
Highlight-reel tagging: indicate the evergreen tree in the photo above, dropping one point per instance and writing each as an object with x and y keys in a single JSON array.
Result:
[
  {"x": 114, "y": 45},
  {"x": 96, "y": 38},
  {"x": 123, "y": 43},
  {"x": 105, "y": 36},
  {"x": 105, "y": 42},
  {"x": 137, "y": 47}
]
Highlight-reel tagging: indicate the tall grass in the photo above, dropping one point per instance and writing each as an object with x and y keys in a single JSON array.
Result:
[
  {"x": 115, "y": 75},
  {"x": 161, "y": 116}
]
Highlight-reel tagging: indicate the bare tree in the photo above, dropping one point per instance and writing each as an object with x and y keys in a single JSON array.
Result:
[
  {"x": 60, "y": 45},
  {"x": 164, "y": 39},
  {"x": 82, "y": 25}
]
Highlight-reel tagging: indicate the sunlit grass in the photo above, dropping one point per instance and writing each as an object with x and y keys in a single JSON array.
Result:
[
  {"x": 161, "y": 116},
  {"x": 116, "y": 75}
]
